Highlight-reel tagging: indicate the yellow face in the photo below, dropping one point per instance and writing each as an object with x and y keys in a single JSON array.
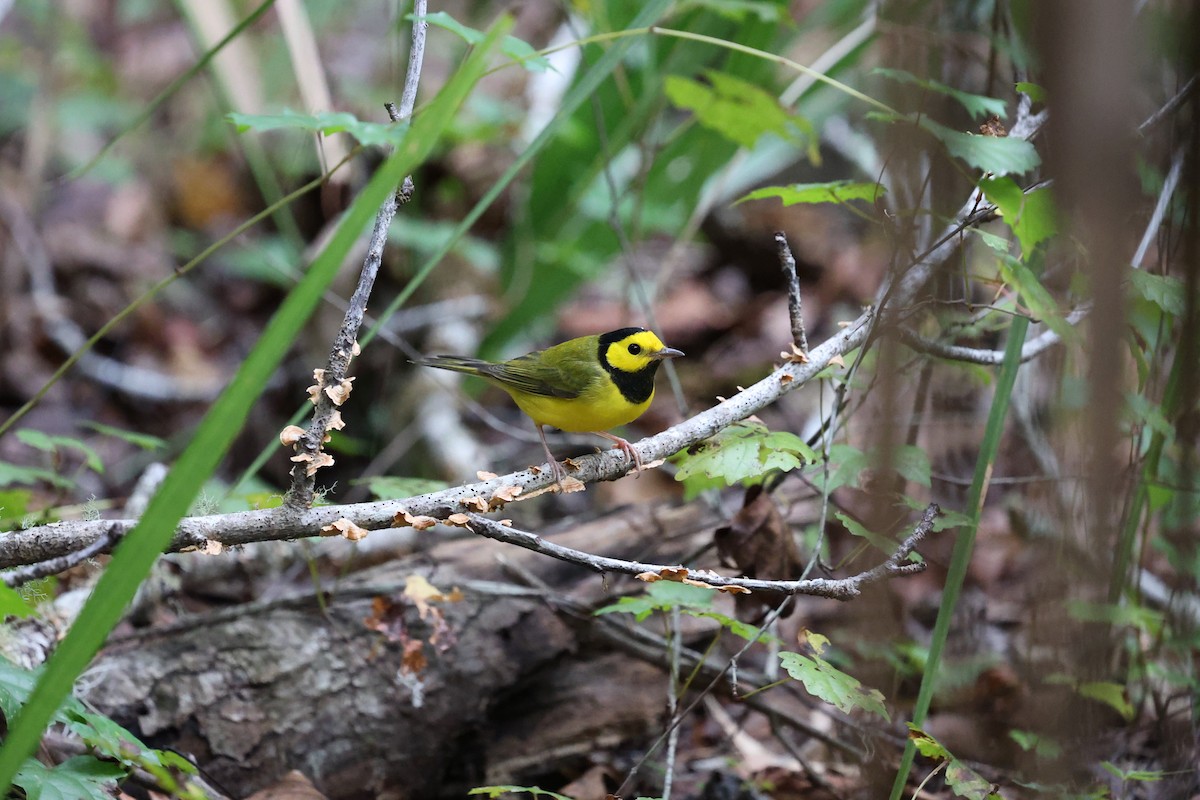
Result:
[{"x": 635, "y": 352}]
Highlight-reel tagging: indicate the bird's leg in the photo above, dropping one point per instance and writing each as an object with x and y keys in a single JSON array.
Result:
[
  {"x": 625, "y": 447},
  {"x": 559, "y": 473}
]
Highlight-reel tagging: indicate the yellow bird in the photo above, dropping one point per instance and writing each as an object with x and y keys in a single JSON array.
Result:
[{"x": 585, "y": 385}]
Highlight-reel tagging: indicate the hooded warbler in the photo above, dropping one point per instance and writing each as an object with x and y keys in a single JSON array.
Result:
[{"x": 589, "y": 384}]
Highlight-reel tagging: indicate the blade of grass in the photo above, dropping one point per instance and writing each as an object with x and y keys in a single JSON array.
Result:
[
  {"x": 138, "y": 551},
  {"x": 963, "y": 546}
]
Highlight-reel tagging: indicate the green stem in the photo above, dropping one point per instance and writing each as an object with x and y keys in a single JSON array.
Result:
[{"x": 961, "y": 557}]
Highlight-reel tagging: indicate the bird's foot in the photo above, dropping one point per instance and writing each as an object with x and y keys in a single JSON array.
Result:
[{"x": 628, "y": 449}]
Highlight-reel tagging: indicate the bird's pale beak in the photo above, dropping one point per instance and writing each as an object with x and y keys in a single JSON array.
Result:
[{"x": 667, "y": 352}]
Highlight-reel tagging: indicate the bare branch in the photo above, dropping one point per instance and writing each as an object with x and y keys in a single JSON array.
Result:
[
  {"x": 332, "y": 386},
  {"x": 53, "y": 566},
  {"x": 1031, "y": 350},
  {"x": 788, "y": 262},
  {"x": 838, "y": 589}
]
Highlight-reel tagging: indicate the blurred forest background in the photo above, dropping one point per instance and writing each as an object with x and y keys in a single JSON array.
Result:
[{"x": 993, "y": 210}]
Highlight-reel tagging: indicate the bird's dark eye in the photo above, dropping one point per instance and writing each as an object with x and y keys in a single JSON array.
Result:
[{"x": 634, "y": 349}]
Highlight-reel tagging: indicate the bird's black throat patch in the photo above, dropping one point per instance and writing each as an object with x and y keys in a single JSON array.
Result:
[{"x": 636, "y": 387}]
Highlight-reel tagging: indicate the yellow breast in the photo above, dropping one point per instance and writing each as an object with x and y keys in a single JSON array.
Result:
[{"x": 600, "y": 408}]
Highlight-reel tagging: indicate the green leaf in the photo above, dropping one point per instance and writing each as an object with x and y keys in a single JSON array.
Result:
[
  {"x": 999, "y": 155},
  {"x": 821, "y": 679},
  {"x": 966, "y": 782},
  {"x": 977, "y": 105},
  {"x": 662, "y": 596},
  {"x": 997, "y": 243},
  {"x": 751, "y": 633},
  {"x": 142, "y": 440},
  {"x": 744, "y": 452},
  {"x": 50, "y": 444},
  {"x": 324, "y": 122},
  {"x": 734, "y": 108},
  {"x": 858, "y": 529},
  {"x": 1111, "y": 694},
  {"x": 846, "y": 463},
  {"x": 1132, "y": 774},
  {"x": 14, "y": 503},
  {"x": 695, "y": 601},
  {"x": 1164, "y": 291},
  {"x": 912, "y": 463},
  {"x": 1035, "y": 296},
  {"x": 1036, "y": 93},
  {"x": 497, "y": 791},
  {"x": 102, "y": 733},
  {"x": 1030, "y": 215},
  {"x": 16, "y": 684},
  {"x": 926, "y": 744},
  {"x": 13, "y": 604},
  {"x": 77, "y": 778},
  {"x": 831, "y": 192},
  {"x": 1040, "y": 745},
  {"x": 516, "y": 49},
  {"x": 962, "y": 780}
]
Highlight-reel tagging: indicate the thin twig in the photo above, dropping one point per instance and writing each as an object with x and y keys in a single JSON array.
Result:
[
  {"x": 838, "y": 589},
  {"x": 332, "y": 386},
  {"x": 788, "y": 262},
  {"x": 973, "y": 355},
  {"x": 1169, "y": 106},
  {"x": 53, "y": 566}
]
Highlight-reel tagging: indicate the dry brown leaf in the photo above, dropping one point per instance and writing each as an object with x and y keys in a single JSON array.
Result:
[
  {"x": 413, "y": 660},
  {"x": 418, "y": 589},
  {"x": 992, "y": 126},
  {"x": 759, "y": 543},
  {"x": 290, "y": 435},
  {"x": 293, "y": 786}
]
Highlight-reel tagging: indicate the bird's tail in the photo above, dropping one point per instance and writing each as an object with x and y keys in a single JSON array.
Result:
[{"x": 471, "y": 366}]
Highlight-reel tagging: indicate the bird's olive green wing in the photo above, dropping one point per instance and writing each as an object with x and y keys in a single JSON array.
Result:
[{"x": 547, "y": 373}]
